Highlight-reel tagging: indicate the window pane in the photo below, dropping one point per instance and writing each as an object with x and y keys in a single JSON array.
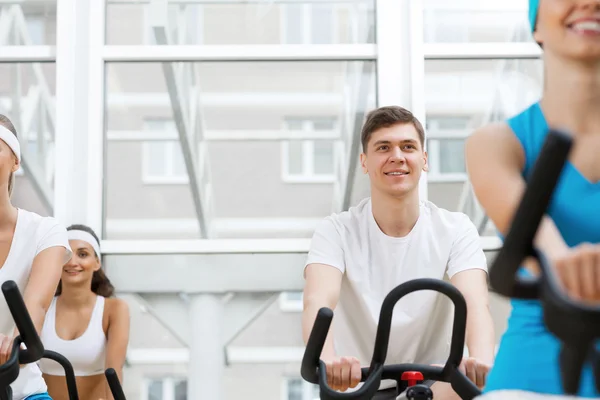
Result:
[
  {"x": 156, "y": 158},
  {"x": 324, "y": 124},
  {"x": 462, "y": 95},
  {"x": 322, "y": 23},
  {"x": 244, "y": 22},
  {"x": 295, "y": 157},
  {"x": 448, "y": 122},
  {"x": 244, "y": 106},
  {"x": 179, "y": 169},
  {"x": 181, "y": 390},
  {"x": 155, "y": 390},
  {"x": 294, "y": 389},
  {"x": 294, "y": 23},
  {"x": 163, "y": 125},
  {"x": 323, "y": 157},
  {"x": 294, "y": 124},
  {"x": 473, "y": 21},
  {"x": 452, "y": 156},
  {"x": 293, "y": 296}
]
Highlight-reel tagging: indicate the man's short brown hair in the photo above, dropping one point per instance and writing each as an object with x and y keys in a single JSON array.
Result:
[{"x": 384, "y": 117}]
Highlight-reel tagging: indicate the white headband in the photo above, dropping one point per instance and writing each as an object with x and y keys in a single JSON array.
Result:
[
  {"x": 11, "y": 140},
  {"x": 75, "y": 234}
]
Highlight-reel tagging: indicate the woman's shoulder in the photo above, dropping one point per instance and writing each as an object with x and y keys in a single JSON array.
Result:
[
  {"x": 115, "y": 306},
  {"x": 39, "y": 222}
]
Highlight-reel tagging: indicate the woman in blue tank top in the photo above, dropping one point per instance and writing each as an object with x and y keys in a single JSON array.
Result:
[{"x": 499, "y": 158}]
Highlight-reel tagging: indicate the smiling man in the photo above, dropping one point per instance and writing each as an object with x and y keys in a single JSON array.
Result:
[{"x": 358, "y": 256}]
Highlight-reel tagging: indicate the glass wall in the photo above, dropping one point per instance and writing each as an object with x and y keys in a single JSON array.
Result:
[
  {"x": 229, "y": 120},
  {"x": 27, "y": 96}
]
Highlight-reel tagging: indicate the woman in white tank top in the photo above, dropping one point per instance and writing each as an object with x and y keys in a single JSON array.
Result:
[
  {"x": 33, "y": 250},
  {"x": 85, "y": 323}
]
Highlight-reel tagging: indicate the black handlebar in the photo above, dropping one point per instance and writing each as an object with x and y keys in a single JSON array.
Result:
[
  {"x": 27, "y": 332},
  {"x": 576, "y": 325},
  {"x": 9, "y": 371},
  {"x": 113, "y": 383},
  {"x": 313, "y": 368}
]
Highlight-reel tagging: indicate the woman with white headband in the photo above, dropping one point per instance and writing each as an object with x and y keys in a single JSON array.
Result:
[
  {"x": 33, "y": 250},
  {"x": 85, "y": 323}
]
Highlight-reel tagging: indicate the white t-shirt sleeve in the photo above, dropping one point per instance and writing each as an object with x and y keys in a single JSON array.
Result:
[
  {"x": 52, "y": 234},
  {"x": 466, "y": 252},
  {"x": 326, "y": 246}
]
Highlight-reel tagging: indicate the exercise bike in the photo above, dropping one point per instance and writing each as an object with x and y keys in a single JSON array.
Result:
[
  {"x": 9, "y": 371},
  {"x": 575, "y": 324},
  {"x": 313, "y": 369}
]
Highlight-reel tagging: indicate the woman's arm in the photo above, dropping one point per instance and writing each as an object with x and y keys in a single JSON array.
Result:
[
  {"x": 117, "y": 339},
  {"x": 495, "y": 159},
  {"x": 45, "y": 274}
]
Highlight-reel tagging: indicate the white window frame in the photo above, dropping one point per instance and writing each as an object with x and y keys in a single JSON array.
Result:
[
  {"x": 308, "y": 174},
  {"x": 308, "y": 393},
  {"x": 170, "y": 178},
  {"x": 166, "y": 138},
  {"x": 191, "y": 24},
  {"x": 287, "y": 304},
  {"x": 435, "y": 174},
  {"x": 168, "y": 386},
  {"x": 307, "y": 25}
]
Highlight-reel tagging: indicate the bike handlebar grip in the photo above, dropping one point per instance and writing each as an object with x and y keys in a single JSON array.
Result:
[
  {"x": 113, "y": 383},
  {"x": 27, "y": 332},
  {"x": 536, "y": 199},
  {"x": 572, "y": 359},
  {"x": 463, "y": 386},
  {"x": 366, "y": 391},
  {"x": 314, "y": 345}
]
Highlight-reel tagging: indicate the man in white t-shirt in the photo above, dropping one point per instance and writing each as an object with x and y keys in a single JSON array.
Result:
[{"x": 357, "y": 257}]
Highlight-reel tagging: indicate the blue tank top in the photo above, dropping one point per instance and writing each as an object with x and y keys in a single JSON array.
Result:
[
  {"x": 527, "y": 357},
  {"x": 574, "y": 206}
]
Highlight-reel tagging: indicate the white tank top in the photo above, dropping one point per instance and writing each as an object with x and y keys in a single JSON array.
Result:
[{"x": 85, "y": 353}]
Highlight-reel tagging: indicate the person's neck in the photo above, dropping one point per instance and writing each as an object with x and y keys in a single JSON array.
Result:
[
  {"x": 572, "y": 96},
  {"x": 395, "y": 216},
  {"x": 8, "y": 213},
  {"x": 76, "y": 296}
]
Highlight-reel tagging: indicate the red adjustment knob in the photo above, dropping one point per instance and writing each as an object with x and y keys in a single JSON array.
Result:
[{"x": 412, "y": 377}]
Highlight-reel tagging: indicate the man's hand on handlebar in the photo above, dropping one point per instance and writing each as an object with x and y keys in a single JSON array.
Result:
[
  {"x": 343, "y": 372},
  {"x": 476, "y": 371},
  {"x": 579, "y": 272},
  {"x": 6, "y": 343}
]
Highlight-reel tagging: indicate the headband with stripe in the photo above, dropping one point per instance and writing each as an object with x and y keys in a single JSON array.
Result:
[
  {"x": 533, "y": 10},
  {"x": 76, "y": 234},
  {"x": 11, "y": 140}
]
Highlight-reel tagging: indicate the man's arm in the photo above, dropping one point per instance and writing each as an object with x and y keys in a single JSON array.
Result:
[
  {"x": 322, "y": 289},
  {"x": 325, "y": 267},
  {"x": 480, "y": 336},
  {"x": 467, "y": 269}
]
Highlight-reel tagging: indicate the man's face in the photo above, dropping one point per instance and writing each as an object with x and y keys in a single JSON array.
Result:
[{"x": 394, "y": 159}]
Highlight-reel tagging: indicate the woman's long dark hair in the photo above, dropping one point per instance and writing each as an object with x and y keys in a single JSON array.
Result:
[{"x": 100, "y": 283}]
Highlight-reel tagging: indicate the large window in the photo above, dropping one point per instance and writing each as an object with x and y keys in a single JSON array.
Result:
[
  {"x": 169, "y": 388},
  {"x": 299, "y": 389},
  {"x": 291, "y": 301},
  {"x": 461, "y": 96},
  {"x": 309, "y": 161},
  {"x": 163, "y": 161},
  {"x": 309, "y": 23},
  {"x": 445, "y": 147}
]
